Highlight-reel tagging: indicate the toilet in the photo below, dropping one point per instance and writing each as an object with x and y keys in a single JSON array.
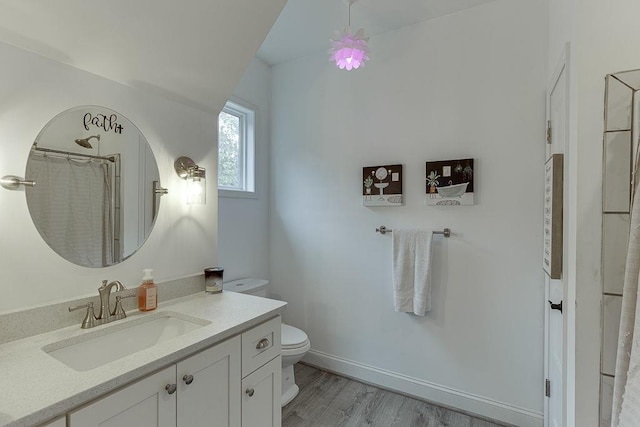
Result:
[{"x": 295, "y": 342}]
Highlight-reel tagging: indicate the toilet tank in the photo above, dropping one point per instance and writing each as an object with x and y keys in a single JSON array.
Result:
[{"x": 257, "y": 287}]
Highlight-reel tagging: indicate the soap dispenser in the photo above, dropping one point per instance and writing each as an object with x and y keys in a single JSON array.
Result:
[{"x": 147, "y": 292}]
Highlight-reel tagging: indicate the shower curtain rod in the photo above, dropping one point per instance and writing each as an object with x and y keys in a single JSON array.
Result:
[{"x": 68, "y": 153}]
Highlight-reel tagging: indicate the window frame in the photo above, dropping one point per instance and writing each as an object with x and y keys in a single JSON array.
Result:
[{"x": 247, "y": 115}]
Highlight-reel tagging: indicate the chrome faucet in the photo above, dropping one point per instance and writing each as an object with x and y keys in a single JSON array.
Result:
[{"x": 106, "y": 315}]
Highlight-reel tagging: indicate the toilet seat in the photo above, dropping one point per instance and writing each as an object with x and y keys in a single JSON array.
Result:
[
  {"x": 293, "y": 338},
  {"x": 295, "y": 352}
]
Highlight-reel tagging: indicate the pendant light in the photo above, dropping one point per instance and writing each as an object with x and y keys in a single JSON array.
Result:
[{"x": 349, "y": 51}]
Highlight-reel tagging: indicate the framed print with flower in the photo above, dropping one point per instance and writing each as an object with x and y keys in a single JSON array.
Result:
[
  {"x": 382, "y": 185},
  {"x": 450, "y": 182}
]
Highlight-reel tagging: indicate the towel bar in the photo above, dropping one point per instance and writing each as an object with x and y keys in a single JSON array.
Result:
[{"x": 384, "y": 230}]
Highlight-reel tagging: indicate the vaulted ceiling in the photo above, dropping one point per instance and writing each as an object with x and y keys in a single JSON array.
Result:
[
  {"x": 305, "y": 26},
  {"x": 195, "y": 51}
]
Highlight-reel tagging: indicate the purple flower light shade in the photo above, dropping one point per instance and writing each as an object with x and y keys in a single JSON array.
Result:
[{"x": 349, "y": 51}]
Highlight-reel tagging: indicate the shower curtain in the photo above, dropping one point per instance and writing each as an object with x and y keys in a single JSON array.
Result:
[
  {"x": 626, "y": 389},
  {"x": 71, "y": 207}
]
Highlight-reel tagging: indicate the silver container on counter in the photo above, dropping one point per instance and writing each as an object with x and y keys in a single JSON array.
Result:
[{"x": 213, "y": 279}]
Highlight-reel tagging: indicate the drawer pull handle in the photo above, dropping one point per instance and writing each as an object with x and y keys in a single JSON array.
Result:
[
  {"x": 250, "y": 391},
  {"x": 263, "y": 343},
  {"x": 188, "y": 379},
  {"x": 171, "y": 388}
]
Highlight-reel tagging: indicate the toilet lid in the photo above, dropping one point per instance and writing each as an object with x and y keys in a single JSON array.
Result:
[{"x": 292, "y": 337}]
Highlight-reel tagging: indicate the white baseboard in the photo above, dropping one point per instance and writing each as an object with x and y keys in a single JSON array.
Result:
[{"x": 455, "y": 399}]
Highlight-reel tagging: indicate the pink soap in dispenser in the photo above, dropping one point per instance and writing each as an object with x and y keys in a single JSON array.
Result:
[{"x": 147, "y": 292}]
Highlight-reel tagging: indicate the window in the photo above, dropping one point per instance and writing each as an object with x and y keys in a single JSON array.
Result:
[{"x": 236, "y": 152}]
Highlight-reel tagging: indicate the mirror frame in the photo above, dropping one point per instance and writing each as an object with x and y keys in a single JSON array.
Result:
[{"x": 129, "y": 211}]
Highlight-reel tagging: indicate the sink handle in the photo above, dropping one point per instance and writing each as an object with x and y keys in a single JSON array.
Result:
[
  {"x": 89, "y": 320},
  {"x": 118, "y": 311}
]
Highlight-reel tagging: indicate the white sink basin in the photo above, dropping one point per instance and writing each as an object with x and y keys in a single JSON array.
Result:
[{"x": 93, "y": 349}]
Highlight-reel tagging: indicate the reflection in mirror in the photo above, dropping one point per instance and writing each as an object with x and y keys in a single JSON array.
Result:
[{"x": 94, "y": 201}]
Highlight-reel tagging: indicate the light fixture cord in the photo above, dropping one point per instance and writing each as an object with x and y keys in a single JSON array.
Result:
[{"x": 349, "y": 14}]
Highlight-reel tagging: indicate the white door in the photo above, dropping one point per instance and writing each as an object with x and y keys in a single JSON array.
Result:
[
  {"x": 261, "y": 392},
  {"x": 150, "y": 402},
  {"x": 555, "y": 332},
  {"x": 209, "y": 387}
]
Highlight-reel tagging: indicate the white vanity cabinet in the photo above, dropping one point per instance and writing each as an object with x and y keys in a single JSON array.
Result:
[
  {"x": 261, "y": 396},
  {"x": 202, "y": 390},
  {"x": 261, "y": 375},
  {"x": 233, "y": 384},
  {"x": 144, "y": 403},
  {"x": 60, "y": 422},
  {"x": 208, "y": 387}
]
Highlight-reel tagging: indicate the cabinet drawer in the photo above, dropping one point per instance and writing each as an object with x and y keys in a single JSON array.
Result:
[{"x": 260, "y": 345}]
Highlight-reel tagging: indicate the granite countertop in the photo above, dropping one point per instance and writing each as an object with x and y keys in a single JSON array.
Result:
[{"x": 35, "y": 387}]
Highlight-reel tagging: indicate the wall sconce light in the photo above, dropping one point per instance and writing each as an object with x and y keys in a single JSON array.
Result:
[
  {"x": 196, "y": 180},
  {"x": 12, "y": 182}
]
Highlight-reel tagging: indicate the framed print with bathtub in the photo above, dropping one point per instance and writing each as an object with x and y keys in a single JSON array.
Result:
[{"x": 450, "y": 182}]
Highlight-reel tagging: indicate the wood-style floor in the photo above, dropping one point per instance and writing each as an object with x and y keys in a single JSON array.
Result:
[{"x": 329, "y": 400}]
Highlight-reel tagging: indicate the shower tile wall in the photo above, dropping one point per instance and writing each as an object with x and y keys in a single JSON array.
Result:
[{"x": 616, "y": 195}]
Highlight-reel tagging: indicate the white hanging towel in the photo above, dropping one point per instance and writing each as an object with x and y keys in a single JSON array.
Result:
[{"x": 412, "y": 270}]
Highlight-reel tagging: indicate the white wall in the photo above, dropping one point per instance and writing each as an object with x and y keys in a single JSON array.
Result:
[
  {"x": 182, "y": 243},
  {"x": 469, "y": 84},
  {"x": 243, "y": 223},
  {"x": 562, "y": 28}
]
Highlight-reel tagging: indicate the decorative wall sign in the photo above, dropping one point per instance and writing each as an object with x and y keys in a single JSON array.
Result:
[
  {"x": 102, "y": 121},
  {"x": 552, "y": 255},
  {"x": 450, "y": 182},
  {"x": 382, "y": 185}
]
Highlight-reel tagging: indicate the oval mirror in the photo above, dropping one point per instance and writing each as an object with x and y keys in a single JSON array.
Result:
[{"x": 96, "y": 195}]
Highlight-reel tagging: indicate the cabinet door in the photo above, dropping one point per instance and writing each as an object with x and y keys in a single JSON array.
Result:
[
  {"x": 145, "y": 403},
  {"x": 209, "y": 387},
  {"x": 60, "y": 422},
  {"x": 261, "y": 396}
]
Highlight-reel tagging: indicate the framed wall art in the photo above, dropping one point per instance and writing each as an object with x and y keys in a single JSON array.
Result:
[
  {"x": 382, "y": 185},
  {"x": 450, "y": 182},
  {"x": 552, "y": 255}
]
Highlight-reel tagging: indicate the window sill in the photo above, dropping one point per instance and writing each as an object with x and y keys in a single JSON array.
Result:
[{"x": 237, "y": 194}]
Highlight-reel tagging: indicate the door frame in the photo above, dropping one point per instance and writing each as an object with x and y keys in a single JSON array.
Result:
[{"x": 568, "y": 318}]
